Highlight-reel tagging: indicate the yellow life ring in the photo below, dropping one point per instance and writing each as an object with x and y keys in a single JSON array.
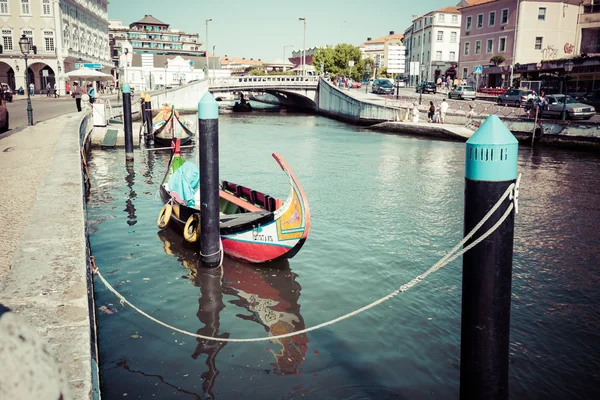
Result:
[
  {"x": 164, "y": 216},
  {"x": 192, "y": 230}
]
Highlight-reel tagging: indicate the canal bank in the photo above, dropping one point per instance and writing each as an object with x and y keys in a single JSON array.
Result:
[
  {"x": 43, "y": 252},
  {"x": 349, "y": 106}
]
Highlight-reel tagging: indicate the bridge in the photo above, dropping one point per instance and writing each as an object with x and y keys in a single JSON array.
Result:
[{"x": 293, "y": 91}]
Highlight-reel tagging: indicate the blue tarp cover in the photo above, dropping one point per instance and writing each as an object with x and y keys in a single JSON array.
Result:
[{"x": 184, "y": 182}]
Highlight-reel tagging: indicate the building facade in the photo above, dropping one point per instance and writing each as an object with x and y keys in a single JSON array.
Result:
[
  {"x": 388, "y": 52},
  {"x": 64, "y": 32},
  {"x": 519, "y": 31},
  {"x": 588, "y": 30}
]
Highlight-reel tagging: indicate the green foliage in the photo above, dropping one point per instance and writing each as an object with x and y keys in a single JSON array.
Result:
[
  {"x": 382, "y": 73},
  {"x": 256, "y": 71},
  {"x": 497, "y": 60},
  {"x": 335, "y": 60}
]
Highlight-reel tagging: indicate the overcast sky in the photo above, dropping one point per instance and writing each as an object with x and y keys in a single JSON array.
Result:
[{"x": 260, "y": 29}]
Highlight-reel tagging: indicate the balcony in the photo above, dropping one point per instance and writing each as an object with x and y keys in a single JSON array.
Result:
[{"x": 591, "y": 8}]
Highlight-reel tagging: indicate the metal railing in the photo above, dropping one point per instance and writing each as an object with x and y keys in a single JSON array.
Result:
[{"x": 270, "y": 81}]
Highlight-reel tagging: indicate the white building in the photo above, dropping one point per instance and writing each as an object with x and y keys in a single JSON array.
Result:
[
  {"x": 387, "y": 52},
  {"x": 433, "y": 40},
  {"x": 64, "y": 32}
]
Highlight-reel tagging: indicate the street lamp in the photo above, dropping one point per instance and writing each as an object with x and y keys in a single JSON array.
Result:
[
  {"x": 214, "y": 73},
  {"x": 283, "y": 59},
  {"x": 166, "y": 65},
  {"x": 25, "y": 45},
  {"x": 367, "y": 76},
  {"x": 568, "y": 68},
  {"x": 304, "y": 44},
  {"x": 206, "y": 55}
]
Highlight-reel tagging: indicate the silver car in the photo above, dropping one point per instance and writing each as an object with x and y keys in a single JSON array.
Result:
[
  {"x": 515, "y": 97},
  {"x": 462, "y": 92},
  {"x": 573, "y": 109}
]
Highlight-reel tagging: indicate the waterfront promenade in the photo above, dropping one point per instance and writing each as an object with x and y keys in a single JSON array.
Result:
[{"x": 43, "y": 254}]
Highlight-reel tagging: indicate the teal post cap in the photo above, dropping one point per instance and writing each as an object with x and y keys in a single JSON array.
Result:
[
  {"x": 208, "y": 108},
  {"x": 492, "y": 153},
  {"x": 125, "y": 88}
]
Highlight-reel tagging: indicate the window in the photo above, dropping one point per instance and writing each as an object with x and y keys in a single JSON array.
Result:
[
  {"x": 468, "y": 26},
  {"x": 504, "y": 19},
  {"x": 492, "y": 18},
  {"x": 440, "y": 36},
  {"x": 45, "y": 7},
  {"x": 438, "y": 56},
  {"x": 465, "y": 73},
  {"x": 490, "y": 46},
  {"x": 7, "y": 39},
  {"x": 479, "y": 21},
  {"x": 454, "y": 18},
  {"x": 452, "y": 56},
  {"x": 467, "y": 48},
  {"x": 542, "y": 14},
  {"x": 453, "y": 37},
  {"x": 428, "y": 57},
  {"x": 49, "y": 40},
  {"x": 478, "y": 47},
  {"x": 442, "y": 17},
  {"x": 25, "y": 7},
  {"x": 502, "y": 44},
  {"x": 538, "y": 42},
  {"x": 3, "y": 6},
  {"x": 429, "y": 37}
]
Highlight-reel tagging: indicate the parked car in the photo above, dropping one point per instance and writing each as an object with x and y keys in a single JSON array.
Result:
[
  {"x": 356, "y": 84},
  {"x": 592, "y": 98},
  {"x": 367, "y": 81},
  {"x": 462, "y": 93},
  {"x": 3, "y": 112},
  {"x": 515, "y": 97},
  {"x": 8, "y": 93},
  {"x": 427, "y": 87},
  {"x": 573, "y": 109},
  {"x": 382, "y": 86}
]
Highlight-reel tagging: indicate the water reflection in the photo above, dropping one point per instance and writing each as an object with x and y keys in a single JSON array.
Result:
[
  {"x": 269, "y": 293},
  {"x": 129, "y": 206}
]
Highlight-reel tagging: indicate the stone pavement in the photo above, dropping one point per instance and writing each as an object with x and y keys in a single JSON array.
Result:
[{"x": 43, "y": 256}]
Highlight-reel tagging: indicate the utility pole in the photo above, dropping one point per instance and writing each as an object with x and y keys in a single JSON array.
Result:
[{"x": 303, "y": 45}]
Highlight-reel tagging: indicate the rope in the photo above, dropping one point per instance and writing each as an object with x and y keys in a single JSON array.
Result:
[{"x": 511, "y": 191}]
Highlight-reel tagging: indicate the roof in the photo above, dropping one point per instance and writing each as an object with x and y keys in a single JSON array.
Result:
[
  {"x": 149, "y": 20},
  {"x": 241, "y": 61},
  {"x": 471, "y": 3},
  {"x": 387, "y": 38},
  {"x": 446, "y": 10}
]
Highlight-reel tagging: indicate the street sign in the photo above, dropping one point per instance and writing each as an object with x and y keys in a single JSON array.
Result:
[
  {"x": 86, "y": 65},
  {"x": 477, "y": 70}
]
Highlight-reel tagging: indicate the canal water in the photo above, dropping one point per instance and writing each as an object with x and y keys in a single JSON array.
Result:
[{"x": 384, "y": 208}]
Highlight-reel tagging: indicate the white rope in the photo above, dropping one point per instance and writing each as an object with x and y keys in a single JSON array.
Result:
[{"x": 511, "y": 191}]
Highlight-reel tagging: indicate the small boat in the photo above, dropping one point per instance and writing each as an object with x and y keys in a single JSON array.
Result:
[
  {"x": 242, "y": 107},
  {"x": 254, "y": 226},
  {"x": 168, "y": 125}
]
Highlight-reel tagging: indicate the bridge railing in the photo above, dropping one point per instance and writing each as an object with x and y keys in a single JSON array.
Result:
[{"x": 264, "y": 81}]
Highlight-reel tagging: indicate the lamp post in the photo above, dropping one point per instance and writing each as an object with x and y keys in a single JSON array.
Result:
[
  {"x": 206, "y": 55},
  {"x": 568, "y": 68},
  {"x": 25, "y": 45},
  {"x": 214, "y": 73},
  {"x": 367, "y": 76},
  {"x": 304, "y": 44},
  {"x": 283, "y": 59},
  {"x": 166, "y": 65}
]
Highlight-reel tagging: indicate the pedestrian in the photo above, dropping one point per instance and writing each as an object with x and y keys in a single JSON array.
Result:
[
  {"x": 443, "y": 111},
  {"x": 48, "y": 87},
  {"x": 55, "y": 90},
  {"x": 430, "y": 112},
  {"x": 31, "y": 89},
  {"x": 92, "y": 93},
  {"x": 415, "y": 112},
  {"x": 77, "y": 95}
]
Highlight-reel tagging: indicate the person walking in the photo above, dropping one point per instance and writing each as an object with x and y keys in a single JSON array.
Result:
[
  {"x": 430, "y": 112},
  {"x": 55, "y": 90},
  {"x": 48, "y": 87},
  {"x": 443, "y": 111},
  {"x": 92, "y": 93},
  {"x": 31, "y": 89},
  {"x": 77, "y": 95}
]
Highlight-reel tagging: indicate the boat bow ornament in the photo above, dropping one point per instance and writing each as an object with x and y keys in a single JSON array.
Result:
[{"x": 512, "y": 193}]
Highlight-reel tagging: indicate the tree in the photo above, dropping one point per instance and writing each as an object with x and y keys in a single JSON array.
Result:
[
  {"x": 335, "y": 60},
  {"x": 497, "y": 60}
]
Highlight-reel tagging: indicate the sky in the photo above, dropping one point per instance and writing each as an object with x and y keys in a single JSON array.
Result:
[{"x": 261, "y": 29}]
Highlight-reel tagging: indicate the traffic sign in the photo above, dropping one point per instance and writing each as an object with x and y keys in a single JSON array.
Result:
[
  {"x": 86, "y": 65},
  {"x": 477, "y": 70}
]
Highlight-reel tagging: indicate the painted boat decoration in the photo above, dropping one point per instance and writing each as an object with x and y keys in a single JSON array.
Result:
[
  {"x": 168, "y": 125},
  {"x": 254, "y": 226}
]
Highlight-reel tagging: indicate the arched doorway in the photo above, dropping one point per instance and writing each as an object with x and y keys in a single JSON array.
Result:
[
  {"x": 40, "y": 74},
  {"x": 7, "y": 75}
]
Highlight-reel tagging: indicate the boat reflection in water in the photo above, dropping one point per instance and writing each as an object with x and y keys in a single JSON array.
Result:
[{"x": 269, "y": 293}]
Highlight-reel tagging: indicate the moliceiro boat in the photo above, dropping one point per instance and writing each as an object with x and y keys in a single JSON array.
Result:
[
  {"x": 168, "y": 125},
  {"x": 254, "y": 226}
]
